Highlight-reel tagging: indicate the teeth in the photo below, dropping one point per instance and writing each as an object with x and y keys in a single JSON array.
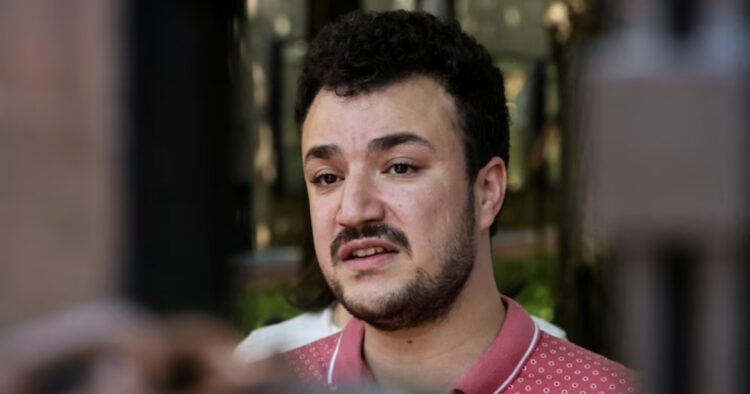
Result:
[{"x": 368, "y": 252}]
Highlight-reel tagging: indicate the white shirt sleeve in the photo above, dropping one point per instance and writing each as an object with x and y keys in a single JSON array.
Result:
[
  {"x": 290, "y": 334},
  {"x": 550, "y": 328}
]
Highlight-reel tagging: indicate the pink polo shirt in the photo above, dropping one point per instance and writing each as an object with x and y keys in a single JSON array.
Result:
[{"x": 522, "y": 359}]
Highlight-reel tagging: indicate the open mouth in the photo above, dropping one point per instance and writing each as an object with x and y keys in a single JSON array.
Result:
[{"x": 366, "y": 250}]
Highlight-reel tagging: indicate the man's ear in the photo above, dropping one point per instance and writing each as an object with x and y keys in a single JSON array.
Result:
[{"x": 489, "y": 191}]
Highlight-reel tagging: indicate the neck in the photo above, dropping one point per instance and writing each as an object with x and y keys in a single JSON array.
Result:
[
  {"x": 340, "y": 316},
  {"x": 434, "y": 356}
]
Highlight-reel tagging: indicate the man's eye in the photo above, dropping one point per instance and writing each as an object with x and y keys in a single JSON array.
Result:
[
  {"x": 402, "y": 169},
  {"x": 326, "y": 179}
]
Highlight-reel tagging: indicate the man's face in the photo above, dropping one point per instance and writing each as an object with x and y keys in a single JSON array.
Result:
[{"x": 391, "y": 206}]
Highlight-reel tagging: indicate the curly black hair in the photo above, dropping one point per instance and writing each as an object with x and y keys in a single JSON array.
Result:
[{"x": 364, "y": 51}]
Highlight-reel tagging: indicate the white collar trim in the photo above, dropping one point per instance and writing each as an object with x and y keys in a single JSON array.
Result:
[
  {"x": 522, "y": 361},
  {"x": 334, "y": 357}
]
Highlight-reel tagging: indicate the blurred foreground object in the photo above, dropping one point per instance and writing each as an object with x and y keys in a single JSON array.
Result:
[
  {"x": 59, "y": 156},
  {"x": 110, "y": 347},
  {"x": 666, "y": 128}
]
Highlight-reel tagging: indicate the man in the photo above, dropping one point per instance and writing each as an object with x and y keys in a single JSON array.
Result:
[{"x": 404, "y": 134}]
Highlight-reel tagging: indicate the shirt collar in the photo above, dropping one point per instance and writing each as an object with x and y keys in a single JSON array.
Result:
[
  {"x": 497, "y": 367},
  {"x": 347, "y": 366}
]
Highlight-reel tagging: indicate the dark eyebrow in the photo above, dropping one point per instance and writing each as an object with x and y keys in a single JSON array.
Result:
[
  {"x": 392, "y": 140},
  {"x": 322, "y": 152}
]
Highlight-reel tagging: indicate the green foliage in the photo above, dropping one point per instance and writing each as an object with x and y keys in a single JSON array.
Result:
[
  {"x": 535, "y": 277},
  {"x": 262, "y": 305}
]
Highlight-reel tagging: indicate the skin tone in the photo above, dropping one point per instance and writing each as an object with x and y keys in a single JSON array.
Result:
[
  {"x": 341, "y": 316},
  {"x": 394, "y": 156}
]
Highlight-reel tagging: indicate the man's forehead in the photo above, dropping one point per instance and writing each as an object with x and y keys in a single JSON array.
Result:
[{"x": 416, "y": 105}]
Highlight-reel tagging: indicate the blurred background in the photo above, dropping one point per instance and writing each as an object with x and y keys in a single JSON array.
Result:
[{"x": 148, "y": 151}]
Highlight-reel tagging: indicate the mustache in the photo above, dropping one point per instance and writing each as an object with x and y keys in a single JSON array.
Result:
[{"x": 378, "y": 230}]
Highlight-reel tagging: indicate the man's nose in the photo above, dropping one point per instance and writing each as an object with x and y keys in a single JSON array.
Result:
[{"x": 360, "y": 202}]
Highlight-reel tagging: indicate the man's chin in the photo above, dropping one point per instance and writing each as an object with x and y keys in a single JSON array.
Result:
[
  {"x": 386, "y": 312},
  {"x": 364, "y": 310},
  {"x": 376, "y": 316},
  {"x": 394, "y": 307},
  {"x": 369, "y": 293}
]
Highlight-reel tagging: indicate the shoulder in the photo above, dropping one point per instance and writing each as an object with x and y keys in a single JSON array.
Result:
[
  {"x": 289, "y": 334},
  {"x": 310, "y": 362},
  {"x": 561, "y": 365}
]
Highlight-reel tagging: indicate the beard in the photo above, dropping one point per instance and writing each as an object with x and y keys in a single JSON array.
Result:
[{"x": 426, "y": 298}]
